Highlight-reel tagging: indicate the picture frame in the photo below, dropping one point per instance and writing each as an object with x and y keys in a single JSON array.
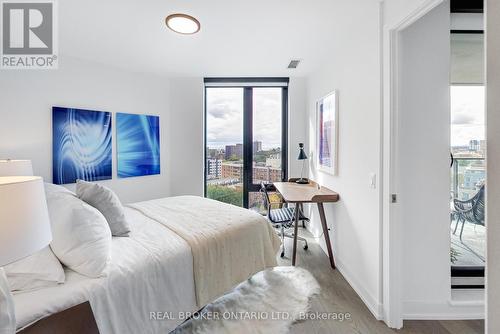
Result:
[
  {"x": 138, "y": 145},
  {"x": 81, "y": 145},
  {"x": 327, "y": 133}
]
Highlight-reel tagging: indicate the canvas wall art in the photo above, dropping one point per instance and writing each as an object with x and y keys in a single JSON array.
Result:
[
  {"x": 81, "y": 145},
  {"x": 327, "y": 133},
  {"x": 138, "y": 145}
]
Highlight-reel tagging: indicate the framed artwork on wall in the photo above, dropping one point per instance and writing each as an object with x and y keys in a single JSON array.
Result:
[
  {"x": 327, "y": 133},
  {"x": 138, "y": 145},
  {"x": 81, "y": 145}
]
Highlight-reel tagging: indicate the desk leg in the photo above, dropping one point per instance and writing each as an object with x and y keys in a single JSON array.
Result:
[
  {"x": 296, "y": 232},
  {"x": 302, "y": 210},
  {"x": 325, "y": 232}
]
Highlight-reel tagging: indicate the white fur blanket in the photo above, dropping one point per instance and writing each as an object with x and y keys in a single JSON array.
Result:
[
  {"x": 267, "y": 303},
  {"x": 229, "y": 244}
]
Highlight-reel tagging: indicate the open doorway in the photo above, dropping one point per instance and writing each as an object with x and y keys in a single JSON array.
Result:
[{"x": 420, "y": 187}]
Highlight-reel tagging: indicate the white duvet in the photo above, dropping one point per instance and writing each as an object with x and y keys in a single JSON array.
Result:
[
  {"x": 152, "y": 280},
  {"x": 228, "y": 243}
]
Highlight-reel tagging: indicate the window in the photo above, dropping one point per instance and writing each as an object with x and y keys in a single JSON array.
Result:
[{"x": 246, "y": 138}]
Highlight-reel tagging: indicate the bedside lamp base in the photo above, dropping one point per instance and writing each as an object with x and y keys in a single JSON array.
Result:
[{"x": 302, "y": 181}]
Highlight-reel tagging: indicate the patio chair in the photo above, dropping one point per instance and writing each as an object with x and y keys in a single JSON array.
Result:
[{"x": 471, "y": 210}]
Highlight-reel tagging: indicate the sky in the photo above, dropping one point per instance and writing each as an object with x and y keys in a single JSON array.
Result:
[
  {"x": 225, "y": 116},
  {"x": 467, "y": 114}
]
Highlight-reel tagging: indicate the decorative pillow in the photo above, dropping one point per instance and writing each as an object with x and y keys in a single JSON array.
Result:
[
  {"x": 36, "y": 271},
  {"x": 105, "y": 200},
  {"x": 81, "y": 238}
]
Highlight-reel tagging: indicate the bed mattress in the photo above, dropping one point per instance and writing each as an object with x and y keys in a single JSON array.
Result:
[{"x": 151, "y": 273}]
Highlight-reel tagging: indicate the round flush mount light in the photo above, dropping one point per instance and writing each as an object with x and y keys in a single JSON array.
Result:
[{"x": 183, "y": 24}]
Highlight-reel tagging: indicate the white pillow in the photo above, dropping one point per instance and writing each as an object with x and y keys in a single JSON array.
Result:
[
  {"x": 81, "y": 238},
  {"x": 105, "y": 200},
  {"x": 39, "y": 270},
  {"x": 51, "y": 188}
]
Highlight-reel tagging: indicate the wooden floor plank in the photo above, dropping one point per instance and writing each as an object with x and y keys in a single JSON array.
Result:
[{"x": 338, "y": 296}]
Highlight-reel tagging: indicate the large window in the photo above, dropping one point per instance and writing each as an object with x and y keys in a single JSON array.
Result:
[
  {"x": 245, "y": 126},
  {"x": 468, "y": 149}
]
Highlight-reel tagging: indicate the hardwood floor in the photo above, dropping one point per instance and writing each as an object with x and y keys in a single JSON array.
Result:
[{"x": 338, "y": 296}]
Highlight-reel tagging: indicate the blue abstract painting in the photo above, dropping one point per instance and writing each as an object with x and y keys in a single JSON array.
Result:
[
  {"x": 138, "y": 144},
  {"x": 81, "y": 145}
]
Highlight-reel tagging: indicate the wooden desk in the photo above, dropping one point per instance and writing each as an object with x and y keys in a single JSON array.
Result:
[{"x": 308, "y": 193}]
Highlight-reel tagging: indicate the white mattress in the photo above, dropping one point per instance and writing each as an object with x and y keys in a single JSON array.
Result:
[{"x": 151, "y": 271}]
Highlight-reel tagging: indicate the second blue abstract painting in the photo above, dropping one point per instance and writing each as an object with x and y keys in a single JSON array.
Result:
[{"x": 138, "y": 144}]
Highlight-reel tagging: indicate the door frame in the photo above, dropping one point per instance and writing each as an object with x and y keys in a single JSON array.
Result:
[
  {"x": 391, "y": 219},
  {"x": 247, "y": 84}
]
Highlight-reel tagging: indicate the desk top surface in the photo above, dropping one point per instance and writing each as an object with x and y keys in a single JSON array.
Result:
[{"x": 305, "y": 193}]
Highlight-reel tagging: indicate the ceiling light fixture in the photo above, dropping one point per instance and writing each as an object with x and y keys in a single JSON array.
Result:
[{"x": 183, "y": 24}]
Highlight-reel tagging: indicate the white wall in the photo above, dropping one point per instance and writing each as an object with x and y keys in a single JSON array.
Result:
[
  {"x": 27, "y": 97},
  {"x": 423, "y": 172},
  {"x": 493, "y": 159},
  {"x": 297, "y": 124},
  {"x": 354, "y": 70},
  {"x": 186, "y": 136},
  {"x": 186, "y": 132}
]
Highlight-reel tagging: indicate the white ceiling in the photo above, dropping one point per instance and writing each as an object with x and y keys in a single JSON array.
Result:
[{"x": 237, "y": 37}]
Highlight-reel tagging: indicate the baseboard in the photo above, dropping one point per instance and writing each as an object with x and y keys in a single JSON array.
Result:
[
  {"x": 371, "y": 303},
  {"x": 419, "y": 310}
]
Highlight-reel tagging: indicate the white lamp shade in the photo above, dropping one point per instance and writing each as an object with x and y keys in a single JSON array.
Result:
[
  {"x": 24, "y": 217},
  {"x": 16, "y": 168}
]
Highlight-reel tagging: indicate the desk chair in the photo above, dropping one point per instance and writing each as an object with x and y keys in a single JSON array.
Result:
[
  {"x": 295, "y": 179},
  {"x": 281, "y": 217}
]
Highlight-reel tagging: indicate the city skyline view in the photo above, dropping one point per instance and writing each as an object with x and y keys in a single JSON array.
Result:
[{"x": 225, "y": 175}]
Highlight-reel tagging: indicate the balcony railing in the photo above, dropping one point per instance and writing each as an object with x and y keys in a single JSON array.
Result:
[
  {"x": 468, "y": 173},
  {"x": 467, "y": 176}
]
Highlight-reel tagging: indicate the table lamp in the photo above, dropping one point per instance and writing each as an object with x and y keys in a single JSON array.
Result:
[
  {"x": 10, "y": 167},
  {"x": 24, "y": 230},
  {"x": 303, "y": 157}
]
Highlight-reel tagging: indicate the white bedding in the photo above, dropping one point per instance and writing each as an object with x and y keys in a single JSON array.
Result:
[
  {"x": 228, "y": 243},
  {"x": 151, "y": 270}
]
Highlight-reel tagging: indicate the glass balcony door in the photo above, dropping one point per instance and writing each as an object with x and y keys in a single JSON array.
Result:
[
  {"x": 468, "y": 176},
  {"x": 468, "y": 168}
]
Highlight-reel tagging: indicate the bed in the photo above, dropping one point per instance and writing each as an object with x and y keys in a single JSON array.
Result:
[{"x": 182, "y": 253}]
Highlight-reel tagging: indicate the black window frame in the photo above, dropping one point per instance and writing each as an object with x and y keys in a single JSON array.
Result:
[{"x": 246, "y": 84}]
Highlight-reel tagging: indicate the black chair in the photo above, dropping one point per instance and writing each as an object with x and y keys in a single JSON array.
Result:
[
  {"x": 281, "y": 217},
  {"x": 471, "y": 210},
  {"x": 295, "y": 179}
]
